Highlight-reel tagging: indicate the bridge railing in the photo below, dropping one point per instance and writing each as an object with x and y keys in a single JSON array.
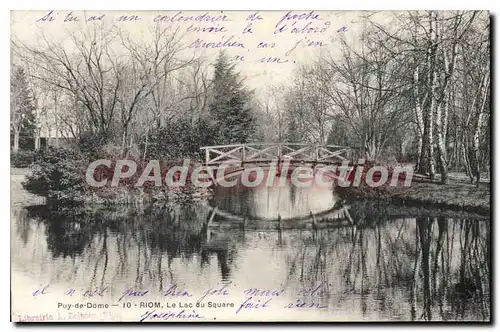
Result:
[{"x": 267, "y": 152}]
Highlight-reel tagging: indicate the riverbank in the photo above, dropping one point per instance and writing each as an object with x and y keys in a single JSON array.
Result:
[
  {"x": 18, "y": 195},
  {"x": 110, "y": 196},
  {"x": 457, "y": 195}
]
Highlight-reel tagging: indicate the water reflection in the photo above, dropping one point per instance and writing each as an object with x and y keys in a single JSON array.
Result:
[
  {"x": 397, "y": 268},
  {"x": 269, "y": 202}
]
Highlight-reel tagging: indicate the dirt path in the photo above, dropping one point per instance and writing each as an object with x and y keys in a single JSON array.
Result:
[{"x": 19, "y": 196}]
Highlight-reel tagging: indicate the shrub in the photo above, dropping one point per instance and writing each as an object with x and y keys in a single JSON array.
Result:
[
  {"x": 180, "y": 139},
  {"x": 22, "y": 159},
  {"x": 58, "y": 175},
  {"x": 92, "y": 143}
]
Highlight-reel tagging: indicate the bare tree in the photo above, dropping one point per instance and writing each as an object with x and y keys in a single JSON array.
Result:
[
  {"x": 273, "y": 108},
  {"x": 116, "y": 79},
  {"x": 365, "y": 89},
  {"x": 433, "y": 43},
  {"x": 85, "y": 69}
]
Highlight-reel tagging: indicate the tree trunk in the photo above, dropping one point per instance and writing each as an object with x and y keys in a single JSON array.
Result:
[
  {"x": 478, "y": 131},
  {"x": 432, "y": 162},
  {"x": 402, "y": 150},
  {"x": 476, "y": 152},
  {"x": 419, "y": 150},
  {"x": 427, "y": 163},
  {"x": 57, "y": 137},
  {"x": 455, "y": 159},
  {"x": 145, "y": 144},
  {"x": 124, "y": 143},
  {"x": 37, "y": 138},
  {"x": 441, "y": 144},
  {"x": 15, "y": 148},
  {"x": 129, "y": 148},
  {"x": 432, "y": 82},
  {"x": 418, "y": 117},
  {"x": 371, "y": 150},
  {"x": 468, "y": 166},
  {"x": 56, "y": 118}
]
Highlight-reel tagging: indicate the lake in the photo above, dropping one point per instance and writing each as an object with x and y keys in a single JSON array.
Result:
[{"x": 273, "y": 253}]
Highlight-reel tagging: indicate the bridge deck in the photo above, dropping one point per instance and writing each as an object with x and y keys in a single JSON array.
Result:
[{"x": 279, "y": 152}]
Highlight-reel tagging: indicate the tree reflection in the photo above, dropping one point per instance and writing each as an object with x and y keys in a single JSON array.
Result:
[
  {"x": 142, "y": 239},
  {"x": 384, "y": 268},
  {"x": 438, "y": 266}
]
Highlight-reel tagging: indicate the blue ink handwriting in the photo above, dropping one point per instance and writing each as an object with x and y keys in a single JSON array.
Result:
[
  {"x": 303, "y": 304},
  {"x": 263, "y": 292},
  {"x": 96, "y": 18},
  {"x": 254, "y": 17},
  {"x": 229, "y": 42},
  {"x": 173, "y": 291},
  {"x": 271, "y": 59},
  {"x": 196, "y": 28},
  {"x": 48, "y": 17},
  {"x": 153, "y": 315},
  {"x": 179, "y": 17},
  {"x": 314, "y": 291},
  {"x": 215, "y": 292},
  {"x": 304, "y": 42},
  {"x": 248, "y": 304},
  {"x": 266, "y": 45},
  {"x": 248, "y": 28},
  {"x": 40, "y": 291},
  {"x": 131, "y": 18},
  {"x": 298, "y": 17},
  {"x": 133, "y": 293},
  {"x": 97, "y": 292},
  {"x": 71, "y": 18},
  {"x": 297, "y": 27}
]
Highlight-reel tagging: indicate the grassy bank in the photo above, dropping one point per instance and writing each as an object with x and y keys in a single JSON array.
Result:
[
  {"x": 140, "y": 196},
  {"x": 109, "y": 196},
  {"x": 457, "y": 195}
]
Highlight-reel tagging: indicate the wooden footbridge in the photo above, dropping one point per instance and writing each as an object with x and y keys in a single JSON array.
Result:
[
  {"x": 295, "y": 153},
  {"x": 263, "y": 154}
]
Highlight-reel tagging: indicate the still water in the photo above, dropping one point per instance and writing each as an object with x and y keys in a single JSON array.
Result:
[{"x": 377, "y": 265}]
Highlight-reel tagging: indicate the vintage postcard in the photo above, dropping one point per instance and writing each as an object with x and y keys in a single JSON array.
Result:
[{"x": 250, "y": 166}]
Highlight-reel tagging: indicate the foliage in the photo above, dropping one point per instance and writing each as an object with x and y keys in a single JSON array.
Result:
[
  {"x": 91, "y": 143},
  {"x": 229, "y": 109},
  {"x": 22, "y": 158},
  {"x": 57, "y": 175},
  {"x": 180, "y": 139}
]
